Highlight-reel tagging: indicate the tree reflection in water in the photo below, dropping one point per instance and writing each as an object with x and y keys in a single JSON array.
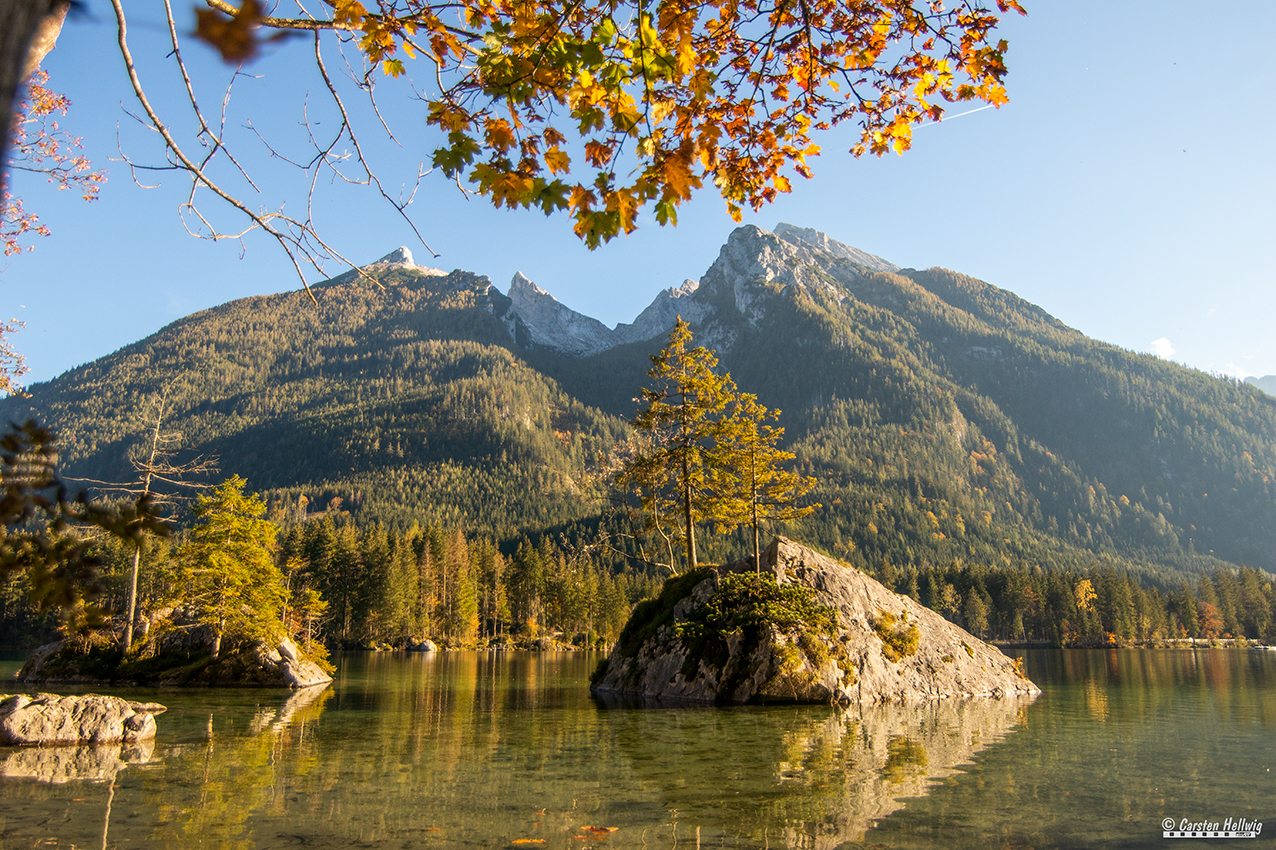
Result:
[
  {"x": 804, "y": 777},
  {"x": 228, "y": 768},
  {"x": 481, "y": 750}
]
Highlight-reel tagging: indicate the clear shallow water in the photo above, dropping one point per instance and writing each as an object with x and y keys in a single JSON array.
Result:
[{"x": 486, "y": 750}]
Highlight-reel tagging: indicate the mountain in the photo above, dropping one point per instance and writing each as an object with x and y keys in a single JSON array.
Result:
[
  {"x": 406, "y": 403},
  {"x": 947, "y": 420},
  {"x": 536, "y": 319},
  {"x": 1267, "y": 383}
]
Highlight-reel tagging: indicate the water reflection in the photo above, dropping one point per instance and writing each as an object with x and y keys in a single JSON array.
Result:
[
  {"x": 59, "y": 765},
  {"x": 190, "y": 791},
  {"x": 808, "y": 777},
  {"x": 1229, "y": 683},
  {"x": 302, "y": 706},
  {"x": 1118, "y": 741},
  {"x": 484, "y": 750}
]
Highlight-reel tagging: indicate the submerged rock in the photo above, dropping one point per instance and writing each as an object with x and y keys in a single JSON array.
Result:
[
  {"x": 60, "y": 765},
  {"x": 46, "y": 719},
  {"x": 860, "y": 643}
]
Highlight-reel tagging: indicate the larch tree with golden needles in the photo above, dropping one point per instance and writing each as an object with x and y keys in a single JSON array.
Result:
[
  {"x": 600, "y": 109},
  {"x": 675, "y": 469},
  {"x": 753, "y": 484},
  {"x": 228, "y": 572}
]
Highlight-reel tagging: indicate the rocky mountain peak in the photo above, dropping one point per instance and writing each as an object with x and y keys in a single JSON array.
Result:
[
  {"x": 811, "y": 238},
  {"x": 752, "y": 260},
  {"x": 659, "y": 316},
  {"x": 537, "y": 318},
  {"x": 523, "y": 291},
  {"x": 399, "y": 258}
]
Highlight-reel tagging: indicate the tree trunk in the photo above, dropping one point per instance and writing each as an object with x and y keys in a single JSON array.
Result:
[
  {"x": 28, "y": 29},
  {"x": 753, "y": 503},
  {"x": 686, "y": 510},
  {"x": 132, "y": 600}
]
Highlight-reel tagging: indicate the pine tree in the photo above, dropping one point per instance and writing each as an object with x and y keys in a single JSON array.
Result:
[
  {"x": 672, "y": 472},
  {"x": 229, "y": 576},
  {"x": 460, "y": 605},
  {"x": 526, "y": 584},
  {"x": 754, "y": 485}
]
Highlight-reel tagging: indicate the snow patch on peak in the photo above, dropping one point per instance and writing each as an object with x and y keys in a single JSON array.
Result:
[{"x": 399, "y": 256}]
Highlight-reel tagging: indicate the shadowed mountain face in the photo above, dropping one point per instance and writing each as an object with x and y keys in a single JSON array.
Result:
[
  {"x": 945, "y": 418},
  {"x": 1267, "y": 383}
]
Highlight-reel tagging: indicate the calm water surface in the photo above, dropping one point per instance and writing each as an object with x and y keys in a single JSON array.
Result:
[{"x": 509, "y": 750}]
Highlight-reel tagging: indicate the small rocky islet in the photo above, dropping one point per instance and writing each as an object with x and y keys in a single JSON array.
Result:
[
  {"x": 174, "y": 651},
  {"x": 46, "y": 719},
  {"x": 803, "y": 629}
]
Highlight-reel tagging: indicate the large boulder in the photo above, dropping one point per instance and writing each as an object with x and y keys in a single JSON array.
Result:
[
  {"x": 873, "y": 646},
  {"x": 45, "y": 719},
  {"x": 291, "y": 665}
]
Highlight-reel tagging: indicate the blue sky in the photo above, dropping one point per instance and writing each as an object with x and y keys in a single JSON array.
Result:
[{"x": 1127, "y": 188}]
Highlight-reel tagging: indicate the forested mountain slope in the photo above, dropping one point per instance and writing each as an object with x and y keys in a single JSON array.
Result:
[
  {"x": 949, "y": 419},
  {"x": 404, "y": 402},
  {"x": 946, "y": 419}
]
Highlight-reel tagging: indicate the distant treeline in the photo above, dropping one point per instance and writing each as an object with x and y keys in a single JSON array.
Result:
[
  {"x": 1098, "y": 606},
  {"x": 389, "y": 588},
  {"x": 385, "y": 587}
]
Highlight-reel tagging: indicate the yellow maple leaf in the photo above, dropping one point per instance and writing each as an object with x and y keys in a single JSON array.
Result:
[
  {"x": 348, "y": 12},
  {"x": 558, "y": 161},
  {"x": 499, "y": 134},
  {"x": 677, "y": 176}
]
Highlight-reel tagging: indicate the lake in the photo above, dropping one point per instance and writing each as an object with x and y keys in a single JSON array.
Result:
[{"x": 489, "y": 750}]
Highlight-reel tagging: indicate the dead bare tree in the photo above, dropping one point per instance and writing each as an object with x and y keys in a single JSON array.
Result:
[
  {"x": 159, "y": 467},
  {"x": 161, "y": 480}
]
